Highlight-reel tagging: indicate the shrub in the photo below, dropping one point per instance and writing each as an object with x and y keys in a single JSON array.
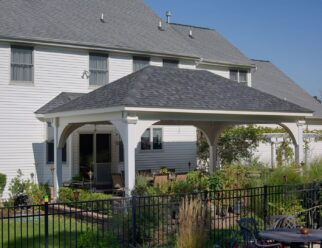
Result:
[
  {"x": 141, "y": 185},
  {"x": 192, "y": 231},
  {"x": 3, "y": 182},
  {"x": 197, "y": 180},
  {"x": 313, "y": 172},
  {"x": 19, "y": 186},
  {"x": 178, "y": 187},
  {"x": 89, "y": 239},
  {"x": 285, "y": 175},
  {"x": 67, "y": 195}
]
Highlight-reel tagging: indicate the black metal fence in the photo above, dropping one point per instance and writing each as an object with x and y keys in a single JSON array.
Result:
[{"x": 153, "y": 221}]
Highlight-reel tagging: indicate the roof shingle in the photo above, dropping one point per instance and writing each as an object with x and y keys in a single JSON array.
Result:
[{"x": 160, "y": 87}]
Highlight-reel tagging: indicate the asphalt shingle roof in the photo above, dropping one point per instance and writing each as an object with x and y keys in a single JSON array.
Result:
[
  {"x": 59, "y": 100},
  {"x": 268, "y": 78},
  {"x": 160, "y": 87},
  {"x": 128, "y": 24}
]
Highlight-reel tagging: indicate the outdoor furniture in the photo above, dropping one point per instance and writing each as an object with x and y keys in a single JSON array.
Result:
[
  {"x": 283, "y": 221},
  {"x": 292, "y": 236},
  {"x": 160, "y": 179},
  {"x": 250, "y": 234},
  {"x": 118, "y": 185},
  {"x": 181, "y": 176}
]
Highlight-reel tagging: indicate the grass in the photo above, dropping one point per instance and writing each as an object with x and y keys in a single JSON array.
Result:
[{"x": 31, "y": 232}]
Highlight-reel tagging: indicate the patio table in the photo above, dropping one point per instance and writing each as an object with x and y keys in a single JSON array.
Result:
[{"x": 292, "y": 236}]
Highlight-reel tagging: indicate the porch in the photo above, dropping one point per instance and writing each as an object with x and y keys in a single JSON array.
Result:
[{"x": 169, "y": 96}]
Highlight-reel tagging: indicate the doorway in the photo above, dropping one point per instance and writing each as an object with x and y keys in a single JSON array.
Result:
[{"x": 95, "y": 154}]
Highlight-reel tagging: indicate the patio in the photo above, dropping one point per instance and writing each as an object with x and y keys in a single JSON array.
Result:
[{"x": 170, "y": 96}]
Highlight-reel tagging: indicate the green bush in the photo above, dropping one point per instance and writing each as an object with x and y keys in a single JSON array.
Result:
[
  {"x": 284, "y": 175},
  {"x": 19, "y": 185},
  {"x": 3, "y": 182},
  {"x": 66, "y": 195},
  {"x": 89, "y": 239},
  {"x": 313, "y": 172},
  {"x": 198, "y": 181}
]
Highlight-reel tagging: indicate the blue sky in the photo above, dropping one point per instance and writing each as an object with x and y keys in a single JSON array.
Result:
[{"x": 286, "y": 32}]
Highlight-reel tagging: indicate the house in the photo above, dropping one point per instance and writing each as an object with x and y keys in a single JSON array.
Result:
[{"x": 68, "y": 70}]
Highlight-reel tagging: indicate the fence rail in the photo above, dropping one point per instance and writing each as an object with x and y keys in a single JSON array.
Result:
[{"x": 153, "y": 221}]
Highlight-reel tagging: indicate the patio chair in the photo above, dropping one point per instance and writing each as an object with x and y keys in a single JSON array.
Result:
[
  {"x": 284, "y": 221},
  {"x": 118, "y": 185},
  {"x": 160, "y": 179},
  {"x": 181, "y": 176},
  {"x": 249, "y": 232}
]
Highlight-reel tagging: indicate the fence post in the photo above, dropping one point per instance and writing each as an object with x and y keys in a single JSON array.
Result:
[
  {"x": 265, "y": 209},
  {"x": 134, "y": 218},
  {"x": 46, "y": 222}
]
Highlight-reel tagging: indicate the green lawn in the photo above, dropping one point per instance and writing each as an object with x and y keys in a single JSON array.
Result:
[{"x": 31, "y": 233}]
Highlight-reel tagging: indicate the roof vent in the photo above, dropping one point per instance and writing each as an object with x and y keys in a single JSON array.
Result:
[
  {"x": 160, "y": 26},
  {"x": 102, "y": 18},
  {"x": 190, "y": 33},
  {"x": 168, "y": 14}
]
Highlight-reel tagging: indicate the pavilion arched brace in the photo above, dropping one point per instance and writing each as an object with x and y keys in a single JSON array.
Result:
[
  {"x": 129, "y": 127},
  {"x": 295, "y": 130},
  {"x": 212, "y": 132}
]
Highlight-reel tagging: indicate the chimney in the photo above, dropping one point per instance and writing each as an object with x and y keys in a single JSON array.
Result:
[
  {"x": 190, "y": 33},
  {"x": 168, "y": 15}
]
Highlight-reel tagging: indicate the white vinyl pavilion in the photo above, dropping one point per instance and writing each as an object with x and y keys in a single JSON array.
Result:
[{"x": 132, "y": 121}]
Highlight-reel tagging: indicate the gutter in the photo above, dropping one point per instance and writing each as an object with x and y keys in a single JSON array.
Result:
[{"x": 123, "y": 50}]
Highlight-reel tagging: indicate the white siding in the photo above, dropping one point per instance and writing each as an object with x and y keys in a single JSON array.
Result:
[
  {"x": 22, "y": 143},
  {"x": 179, "y": 148}
]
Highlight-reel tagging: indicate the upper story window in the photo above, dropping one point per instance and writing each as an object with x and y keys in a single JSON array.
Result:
[
  {"x": 152, "y": 139},
  {"x": 98, "y": 69},
  {"x": 172, "y": 63},
  {"x": 21, "y": 64},
  {"x": 140, "y": 62},
  {"x": 239, "y": 76}
]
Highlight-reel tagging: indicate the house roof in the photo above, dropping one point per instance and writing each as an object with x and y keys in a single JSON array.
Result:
[
  {"x": 268, "y": 78},
  {"x": 210, "y": 45},
  {"x": 128, "y": 24},
  {"x": 160, "y": 87}
]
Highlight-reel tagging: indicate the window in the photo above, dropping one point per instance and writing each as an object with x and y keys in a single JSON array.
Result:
[
  {"x": 170, "y": 63},
  {"x": 121, "y": 151},
  {"x": 98, "y": 69},
  {"x": 239, "y": 76},
  {"x": 140, "y": 62},
  {"x": 21, "y": 64},
  {"x": 152, "y": 139},
  {"x": 50, "y": 152}
]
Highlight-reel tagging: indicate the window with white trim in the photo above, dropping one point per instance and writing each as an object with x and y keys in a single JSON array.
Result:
[
  {"x": 152, "y": 139},
  {"x": 22, "y": 64},
  {"x": 140, "y": 62},
  {"x": 240, "y": 76},
  {"x": 98, "y": 69}
]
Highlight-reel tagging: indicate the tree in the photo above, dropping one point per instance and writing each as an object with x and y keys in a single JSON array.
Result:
[{"x": 234, "y": 144}]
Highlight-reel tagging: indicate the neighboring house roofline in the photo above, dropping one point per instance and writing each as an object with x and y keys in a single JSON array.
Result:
[{"x": 80, "y": 45}]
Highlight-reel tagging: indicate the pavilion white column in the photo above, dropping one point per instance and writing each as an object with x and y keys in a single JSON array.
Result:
[
  {"x": 299, "y": 147},
  {"x": 273, "y": 152},
  {"x": 213, "y": 157},
  {"x": 58, "y": 164},
  {"x": 131, "y": 130}
]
